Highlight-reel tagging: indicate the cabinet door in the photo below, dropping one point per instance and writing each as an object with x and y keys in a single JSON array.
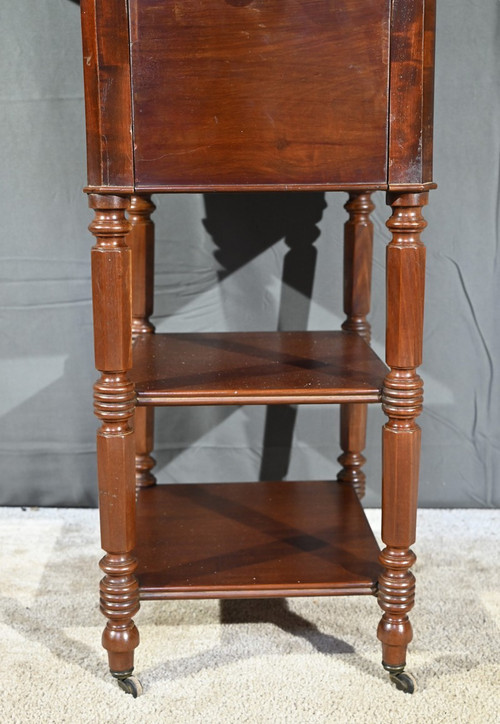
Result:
[{"x": 256, "y": 93}]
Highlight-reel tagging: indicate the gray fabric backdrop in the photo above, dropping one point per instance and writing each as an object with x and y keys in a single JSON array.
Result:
[{"x": 203, "y": 282}]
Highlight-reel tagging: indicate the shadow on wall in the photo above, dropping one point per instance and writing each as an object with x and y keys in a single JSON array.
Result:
[{"x": 243, "y": 226}]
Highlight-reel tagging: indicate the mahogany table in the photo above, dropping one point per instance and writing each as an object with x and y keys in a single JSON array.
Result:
[{"x": 256, "y": 95}]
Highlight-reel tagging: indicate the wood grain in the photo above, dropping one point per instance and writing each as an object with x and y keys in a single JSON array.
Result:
[
  {"x": 114, "y": 403},
  {"x": 141, "y": 241},
  {"x": 259, "y": 368},
  {"x": 402, "y": 403},
  {"x": 411, "y": 92},
  {"x": 405, "y": 281},
  {"x": 353, "y": 418},
  {"x": 111, "y": 284},
  {"x": 358, "y": 253},
  {"x": 243, "y": 95},
  {"x": 271, "y": 92},
  {"x": 235, "y": 540},
  {"x": 108, "y": 105}
]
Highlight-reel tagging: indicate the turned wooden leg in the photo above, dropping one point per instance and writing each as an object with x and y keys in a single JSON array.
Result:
[
  {"x": 114, "y": 406},
  {"x": 402, "y": 403},
  {"x": 144, "y": 444},
  {"x": 352, "y": 441},
  {"x": 141, "y": 241},
  {"x": 358, "y": 246}
]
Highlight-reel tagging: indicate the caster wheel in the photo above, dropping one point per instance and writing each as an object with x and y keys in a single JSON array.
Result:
[
  {"x": 404, "y": 682},
  {"x": 130, "y": 685}
]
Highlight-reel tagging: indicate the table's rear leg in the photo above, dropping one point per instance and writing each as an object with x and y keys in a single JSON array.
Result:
[
  {"x": 141, "y": 241},
  {"x": 358, "y": 249}
]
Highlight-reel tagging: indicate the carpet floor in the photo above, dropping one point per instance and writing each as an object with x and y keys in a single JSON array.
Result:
[{"x": 289, "y": 661}]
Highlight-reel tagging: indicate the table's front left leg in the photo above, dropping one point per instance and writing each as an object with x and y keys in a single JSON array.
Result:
[
  {"x": 402, "y": 402},
  {"x": 114, "y": 406}
]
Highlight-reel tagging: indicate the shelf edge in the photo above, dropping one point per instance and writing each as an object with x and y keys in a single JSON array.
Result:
[
  {"x": 145, "y": 400},
  {"x": 271, "y": 592}
]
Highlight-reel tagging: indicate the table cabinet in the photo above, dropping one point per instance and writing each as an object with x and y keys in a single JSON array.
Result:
[{"x": 243, "y": 96}]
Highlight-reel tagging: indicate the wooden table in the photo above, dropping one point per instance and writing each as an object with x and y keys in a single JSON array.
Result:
[{"x": 256, "y": 95}]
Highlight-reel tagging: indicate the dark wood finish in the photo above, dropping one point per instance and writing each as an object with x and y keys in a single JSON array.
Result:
[
  {"x": 108, "y": 104},
  {"x": 260, "y": 368},
  {"x": 428, "y": 91},
  {"x": 141, "y": 242},
  {"x": 411, "y": 92},
  {"x": 402, "y": 403},
  {"x": 232, "y": 100},
  {"x": 245, "y": 540},
  {"x": 144, "y": 444},
  {"x": 358, "y": 252},
  {"x": 249, "y": 103},
  {"x": 114, "y": 406},
  {"x": 271, "y": 95},
  {"x": 353, "y": 418}
]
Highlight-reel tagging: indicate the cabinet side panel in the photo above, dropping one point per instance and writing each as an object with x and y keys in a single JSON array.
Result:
[
  {"x": 411, "y": 92},
  {"x": 231, "y": 93},
  {"x": 428, "y": 110},
  {"x": 106, "y": 67}
]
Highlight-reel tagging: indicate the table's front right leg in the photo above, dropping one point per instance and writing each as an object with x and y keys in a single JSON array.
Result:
[{"x": 402, "y": 403}]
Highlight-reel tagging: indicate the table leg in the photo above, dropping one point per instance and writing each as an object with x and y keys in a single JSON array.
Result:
[
  {"x": 141, "y": 241},
  {"x": 114, "y": 406},
  {"x": 402, "y": 403},
  {"x": 358, "y": 250}
]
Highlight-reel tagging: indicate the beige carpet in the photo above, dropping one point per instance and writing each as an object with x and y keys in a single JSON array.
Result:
[{"x": 295, "y": 661}]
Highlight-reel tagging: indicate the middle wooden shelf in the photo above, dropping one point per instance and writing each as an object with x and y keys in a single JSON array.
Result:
[{"x": 259, "y": 368}]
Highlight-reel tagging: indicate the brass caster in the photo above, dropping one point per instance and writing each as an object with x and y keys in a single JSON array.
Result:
[
  {"x": 403, "y": 681},
  {"x": 130, "y": 685}
]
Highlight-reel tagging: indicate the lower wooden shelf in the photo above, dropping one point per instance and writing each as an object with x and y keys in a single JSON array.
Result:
[{"x": 244, "y": 540}]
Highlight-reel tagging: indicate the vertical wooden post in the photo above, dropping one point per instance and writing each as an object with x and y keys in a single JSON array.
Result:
[
  {"x": 114, "y": 406},
  {"x": 358, "y": 250},
  {"x": 141, "y": 241},
  {"x": 402, "y": 403}
]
